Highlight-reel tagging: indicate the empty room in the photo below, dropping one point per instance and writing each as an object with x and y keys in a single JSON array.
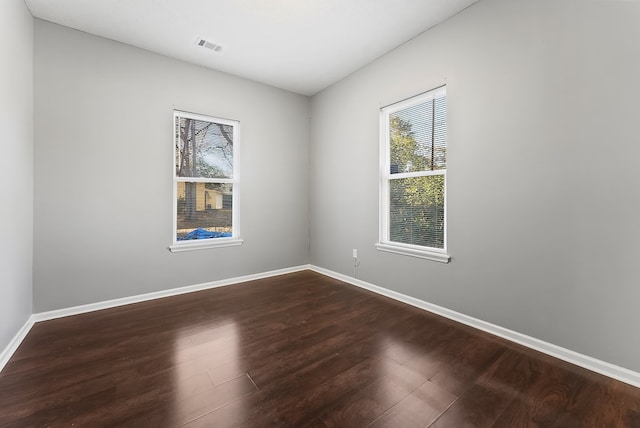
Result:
[{"x": 321, "y": 213}]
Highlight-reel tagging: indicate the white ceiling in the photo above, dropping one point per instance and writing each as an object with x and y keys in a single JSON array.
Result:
[{"x": 299, "y": 45}]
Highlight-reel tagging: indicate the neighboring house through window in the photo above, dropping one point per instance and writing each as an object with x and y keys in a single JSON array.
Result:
[
  {"x": 205, "y": 208},
  {"x": 413, "y": 152}
]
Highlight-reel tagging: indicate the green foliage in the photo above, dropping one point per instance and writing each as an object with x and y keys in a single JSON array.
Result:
[
  {"x": 416, "y": 203},
  {"x": 410, "y": 152},
  {"x": 404, "y": 151}
]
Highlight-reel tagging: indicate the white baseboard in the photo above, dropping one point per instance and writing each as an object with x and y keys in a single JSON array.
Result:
[
  {"x": 616, "y": 372},
  {"x": 12, "y": 347},
  {"x": 8, "y": 352},
  {"x": 75, "y": 310}
]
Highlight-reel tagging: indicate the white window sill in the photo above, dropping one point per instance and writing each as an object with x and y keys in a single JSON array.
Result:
[
  {"x": 200, "y": 244},
  {"x": 414, "y": 252}
]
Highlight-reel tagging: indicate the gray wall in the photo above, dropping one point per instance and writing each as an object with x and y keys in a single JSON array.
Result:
[
  {"x": 16, "y": 167},
  {"x": 103, "y": 171},
  {"x": 543, "y": 173}
]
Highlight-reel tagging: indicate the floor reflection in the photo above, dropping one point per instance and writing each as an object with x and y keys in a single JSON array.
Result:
[{"x": 207, "y": 373}]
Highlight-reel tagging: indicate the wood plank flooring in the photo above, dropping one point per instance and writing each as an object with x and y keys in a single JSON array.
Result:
[{"x": 298, "y": 350}]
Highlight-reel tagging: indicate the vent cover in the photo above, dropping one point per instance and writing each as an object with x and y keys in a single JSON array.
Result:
[{"x": 214, "y": 47}]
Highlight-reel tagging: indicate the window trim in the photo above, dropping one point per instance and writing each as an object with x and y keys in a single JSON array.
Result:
[
  {"x": 384, "y": 243},
  {"x": 196, "y": 244}
]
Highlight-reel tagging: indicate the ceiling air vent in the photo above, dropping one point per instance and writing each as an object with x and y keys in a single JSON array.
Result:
[{"x": 214, "y": 47}]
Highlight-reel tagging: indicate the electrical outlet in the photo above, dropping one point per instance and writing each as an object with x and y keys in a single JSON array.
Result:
[{"x": 355, "y": 253}]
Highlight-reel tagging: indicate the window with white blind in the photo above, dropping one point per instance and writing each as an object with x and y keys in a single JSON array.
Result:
[
  {"x": 413, "y": 153},
  {"x": 205, "y": 182}
]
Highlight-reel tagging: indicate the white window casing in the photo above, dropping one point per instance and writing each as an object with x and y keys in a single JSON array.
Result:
[
  {"x": 206, "y": 185},
  {"x": 413, "y": 177}
]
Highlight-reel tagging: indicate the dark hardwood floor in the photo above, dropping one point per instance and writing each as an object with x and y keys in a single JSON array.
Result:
[{"x": 298, "y": 350}]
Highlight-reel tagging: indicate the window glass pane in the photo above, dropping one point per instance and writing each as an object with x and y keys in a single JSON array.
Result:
[
  {"x": 439, "y": 133},
  {"x": 204, "y": 210},
  {"x": 417, "y": 211},
  {"x": 203, "y": 149},
  {"x": 418, "y": 137}
]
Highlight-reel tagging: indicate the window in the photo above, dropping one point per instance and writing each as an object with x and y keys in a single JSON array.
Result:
[
  {"x": 205, "y": 184},
  {"x": 413, "y": 152}
]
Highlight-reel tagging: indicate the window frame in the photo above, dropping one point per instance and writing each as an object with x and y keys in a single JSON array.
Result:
[
  {"x": 385, "y": 244},
  {"x": 196, "y": 244}
]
